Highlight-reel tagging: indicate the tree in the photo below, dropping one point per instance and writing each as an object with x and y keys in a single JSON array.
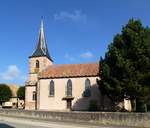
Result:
[
  {"x": 21, "y": 93},
  {"x": 5, "y": 93},
  {"x": 125, "y": 70}
]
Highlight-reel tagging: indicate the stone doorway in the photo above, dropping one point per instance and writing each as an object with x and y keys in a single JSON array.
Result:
[{"x": 68, "y": 102}]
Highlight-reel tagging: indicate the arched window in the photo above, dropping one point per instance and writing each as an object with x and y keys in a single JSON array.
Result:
[
  {"x": 52, "y": 88},
  {"x": 37, "y": 64},
  {"x": 87, "y": 91},
  {"x": 34, "y": 95},
  {"x": 69, "y": 88}
]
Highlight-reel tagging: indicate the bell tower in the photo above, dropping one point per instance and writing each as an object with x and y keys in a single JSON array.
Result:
[{"x": 38, "y": 61}]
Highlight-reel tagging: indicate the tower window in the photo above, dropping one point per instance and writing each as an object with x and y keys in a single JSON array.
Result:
[
  {"x": 34, "y": 95},
  {"x": 87, "y": 91},
  {"x": 52, "y": 88},
  {"x": 37, "y": 64},
  {"x": 69, "y": 88}
]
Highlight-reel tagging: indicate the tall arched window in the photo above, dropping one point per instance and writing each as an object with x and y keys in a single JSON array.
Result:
[
  {"x": 37, "y": 64},
  {"x": 87, "y": 91},
  {"x": 69, "y": 88},
  {"x": 52, "y": 88},
  {"x": 34, "y": 95}
]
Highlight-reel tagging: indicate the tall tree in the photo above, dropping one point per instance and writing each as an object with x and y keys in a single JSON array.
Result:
[
  {"x": 125, "y": 70},
  {"x": 21, "y": 93},
  {"x": 5, "y": 93}
]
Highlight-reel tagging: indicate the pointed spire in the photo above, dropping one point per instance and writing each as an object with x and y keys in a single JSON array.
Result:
[{"x": 41, "y": 49}]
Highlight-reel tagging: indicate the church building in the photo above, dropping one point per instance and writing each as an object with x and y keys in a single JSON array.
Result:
[{"x": 60, "y": 87}]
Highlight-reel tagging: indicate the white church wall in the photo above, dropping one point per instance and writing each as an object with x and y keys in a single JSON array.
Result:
[{"x": 78, "y": 86}]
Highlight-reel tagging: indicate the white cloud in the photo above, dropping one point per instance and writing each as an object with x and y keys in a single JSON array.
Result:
[
  {"x": 86, "y": 55},
  {"x": 68, "y": 57},
  {"x": 12, "y": 72},
  {"x": 75, "y": 16}
]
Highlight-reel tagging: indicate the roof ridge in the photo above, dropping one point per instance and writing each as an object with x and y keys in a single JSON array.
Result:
[{"x": 75, "y": 64}]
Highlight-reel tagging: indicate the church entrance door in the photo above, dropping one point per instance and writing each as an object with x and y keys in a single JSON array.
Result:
[{"x": 69, "y": 104}]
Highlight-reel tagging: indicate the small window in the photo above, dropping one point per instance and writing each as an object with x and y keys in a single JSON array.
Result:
[
  {"x": 34, "y": 96},
  {"x": 87, "y": 91},
  {"x": 52, "y": 88},
  {"x": 69, "y": 88},
  {"x": 37, "y": 64}
]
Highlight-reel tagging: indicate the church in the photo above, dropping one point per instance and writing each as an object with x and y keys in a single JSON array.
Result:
[{"x": 63, "y": 87}]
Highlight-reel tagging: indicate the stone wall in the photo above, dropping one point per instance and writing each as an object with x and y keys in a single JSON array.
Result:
[
  {"x": 29, "y": 103},
  {"x": 44, "y": 62},
  {"x": 106, "y": 118}
]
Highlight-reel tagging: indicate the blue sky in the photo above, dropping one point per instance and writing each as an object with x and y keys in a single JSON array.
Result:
[{"x": 77, "y": 31}]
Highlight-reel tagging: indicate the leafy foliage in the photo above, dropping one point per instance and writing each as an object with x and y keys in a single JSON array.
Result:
[
  {"x": 93, "y": 105},
  {"x": 125, "y": 70},
  {"x": 5, "y": 93},
  {"x": 21, "y": 93}
]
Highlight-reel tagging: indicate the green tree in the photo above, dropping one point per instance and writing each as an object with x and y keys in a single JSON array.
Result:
[
  {"x": 5, "y": 93},
  {"x": 125, "y": 70},
  {"x": 21, "y": 93}
]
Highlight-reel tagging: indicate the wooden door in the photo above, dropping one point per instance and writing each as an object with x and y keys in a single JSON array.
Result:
[{"x": 69, "y": 104}]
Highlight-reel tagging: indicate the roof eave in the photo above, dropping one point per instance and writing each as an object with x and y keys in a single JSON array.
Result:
[
  {"x": 40, "y": 56},
  {"x": 48, "y": 77}
]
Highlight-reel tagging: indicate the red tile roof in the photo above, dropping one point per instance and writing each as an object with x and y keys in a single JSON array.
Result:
[{"x": 70, "y": 70}]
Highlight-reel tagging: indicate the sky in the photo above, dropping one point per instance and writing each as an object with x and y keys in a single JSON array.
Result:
[{"x": 77, "y": 31}]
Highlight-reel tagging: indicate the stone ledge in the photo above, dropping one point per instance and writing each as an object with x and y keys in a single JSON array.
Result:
[{"x": 104, "y": 118}]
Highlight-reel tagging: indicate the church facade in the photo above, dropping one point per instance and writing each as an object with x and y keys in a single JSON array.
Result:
[{"x": 61, "y": 87}]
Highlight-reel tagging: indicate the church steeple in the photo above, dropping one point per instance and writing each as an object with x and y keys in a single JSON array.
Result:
[{"x": 41, "y": 49}]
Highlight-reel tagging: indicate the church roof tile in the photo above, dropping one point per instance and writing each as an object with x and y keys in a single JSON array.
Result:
[{"x": 70, "y": 70}]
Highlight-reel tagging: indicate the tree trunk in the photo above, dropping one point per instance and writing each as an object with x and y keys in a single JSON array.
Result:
[{"x": 133, "y": 104}]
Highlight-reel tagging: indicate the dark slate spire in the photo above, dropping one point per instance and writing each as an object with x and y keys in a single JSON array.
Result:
[{"x": 41, "y": 49}]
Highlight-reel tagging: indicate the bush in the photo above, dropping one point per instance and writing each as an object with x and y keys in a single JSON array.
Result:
[
  {"x": 93, "y": 105},
  {"x": 148, "y": 108},
  {"x": 5, "y": 93},
  {"x": 140, "y": 106},
  {"x": 21, "y": 93}
]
